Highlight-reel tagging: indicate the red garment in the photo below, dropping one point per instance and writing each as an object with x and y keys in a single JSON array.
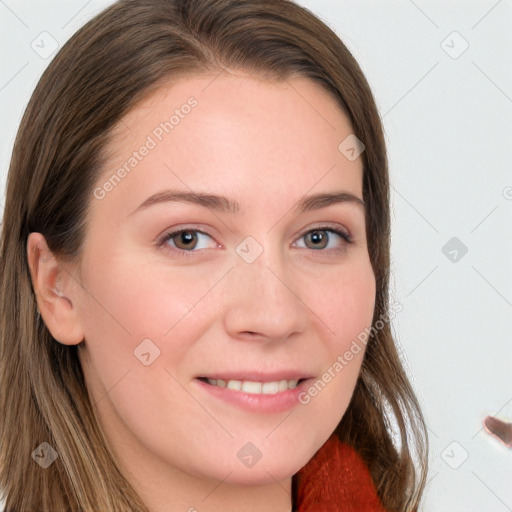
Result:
[{"x": 335, "y": 480}]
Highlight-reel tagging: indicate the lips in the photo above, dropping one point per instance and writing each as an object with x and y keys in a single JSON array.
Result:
[
  {"x": 257, "y": 382},
  {"x": 256, "y": 392}
]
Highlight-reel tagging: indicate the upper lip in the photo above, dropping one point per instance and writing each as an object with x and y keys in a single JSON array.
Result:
[{"x": 258, "y": 376}]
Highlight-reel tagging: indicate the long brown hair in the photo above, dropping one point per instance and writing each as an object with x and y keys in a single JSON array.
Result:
[{"x": 109, "y": 65}]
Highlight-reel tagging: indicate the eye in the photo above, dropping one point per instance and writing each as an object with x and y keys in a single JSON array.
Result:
[
  {"x": 184, "y": 242},
  {"x": 325, "y": 238},
  {"x": 187, "y": 240}
]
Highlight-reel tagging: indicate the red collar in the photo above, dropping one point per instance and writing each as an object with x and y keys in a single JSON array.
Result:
[{"x": 336, "y": 480}]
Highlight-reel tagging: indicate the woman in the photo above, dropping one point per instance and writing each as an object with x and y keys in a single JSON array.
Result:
[{"x": 194, "y": 273}]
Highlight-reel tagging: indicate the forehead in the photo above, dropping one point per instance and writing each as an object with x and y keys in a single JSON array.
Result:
[{"x": 234, "y": 135}]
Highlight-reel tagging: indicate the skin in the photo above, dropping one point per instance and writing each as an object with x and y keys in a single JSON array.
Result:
[{"x": 266, "y": 145}]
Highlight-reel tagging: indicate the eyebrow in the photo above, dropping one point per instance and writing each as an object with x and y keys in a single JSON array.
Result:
[{"x": 223, "y": 204}]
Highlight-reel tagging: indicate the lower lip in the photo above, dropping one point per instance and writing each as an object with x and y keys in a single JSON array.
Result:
[{"x": 257, "y": 402}]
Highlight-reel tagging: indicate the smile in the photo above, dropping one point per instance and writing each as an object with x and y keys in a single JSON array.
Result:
[
  {"x": 252, "y": 387},
  {"x": 257, "y": 396}
]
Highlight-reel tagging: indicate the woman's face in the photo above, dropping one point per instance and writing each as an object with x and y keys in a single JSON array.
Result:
[{"x": 258, "y": 289}]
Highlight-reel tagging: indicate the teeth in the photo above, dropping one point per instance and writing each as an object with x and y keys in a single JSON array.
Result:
[
  {"x": 251, "y": 387},
  {"x": 270, "y": 388},
  {"x": 234, "y": 384},
  {"x": 247, "y": 386}
]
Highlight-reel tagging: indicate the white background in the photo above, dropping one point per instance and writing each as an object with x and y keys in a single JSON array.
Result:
[{"x": 448, "y": 124}]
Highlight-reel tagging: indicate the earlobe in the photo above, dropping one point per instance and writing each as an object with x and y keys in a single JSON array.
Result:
[{"x": 53, "y": 286}]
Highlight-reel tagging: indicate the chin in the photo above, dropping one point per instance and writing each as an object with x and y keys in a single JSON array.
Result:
[
  {"x": 273, "y": 466},
  {"x": 260, "y": 474}
]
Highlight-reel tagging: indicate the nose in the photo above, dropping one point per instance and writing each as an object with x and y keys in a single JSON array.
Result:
[{"x": 263, "y": 301}]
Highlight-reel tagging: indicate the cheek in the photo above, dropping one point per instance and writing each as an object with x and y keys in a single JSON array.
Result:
[
  {"x": 354, "y": 306},
  {"x": 344, "y": 302},
  {"x": 134, "y": 300},
  {"x": 129, "y": 302},
  {"x": 345, "y": 306}
]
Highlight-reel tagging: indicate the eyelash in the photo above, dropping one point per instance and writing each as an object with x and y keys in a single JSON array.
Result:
[{"x": 162, "y": 242}]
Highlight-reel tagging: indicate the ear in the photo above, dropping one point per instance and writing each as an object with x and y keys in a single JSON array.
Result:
[{"x": 53, "y": 285}]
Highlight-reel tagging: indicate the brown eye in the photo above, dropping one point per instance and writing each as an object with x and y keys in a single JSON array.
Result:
[
  {"x": 185, "y": 240},
  {"x": 316, "y": 239}
]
